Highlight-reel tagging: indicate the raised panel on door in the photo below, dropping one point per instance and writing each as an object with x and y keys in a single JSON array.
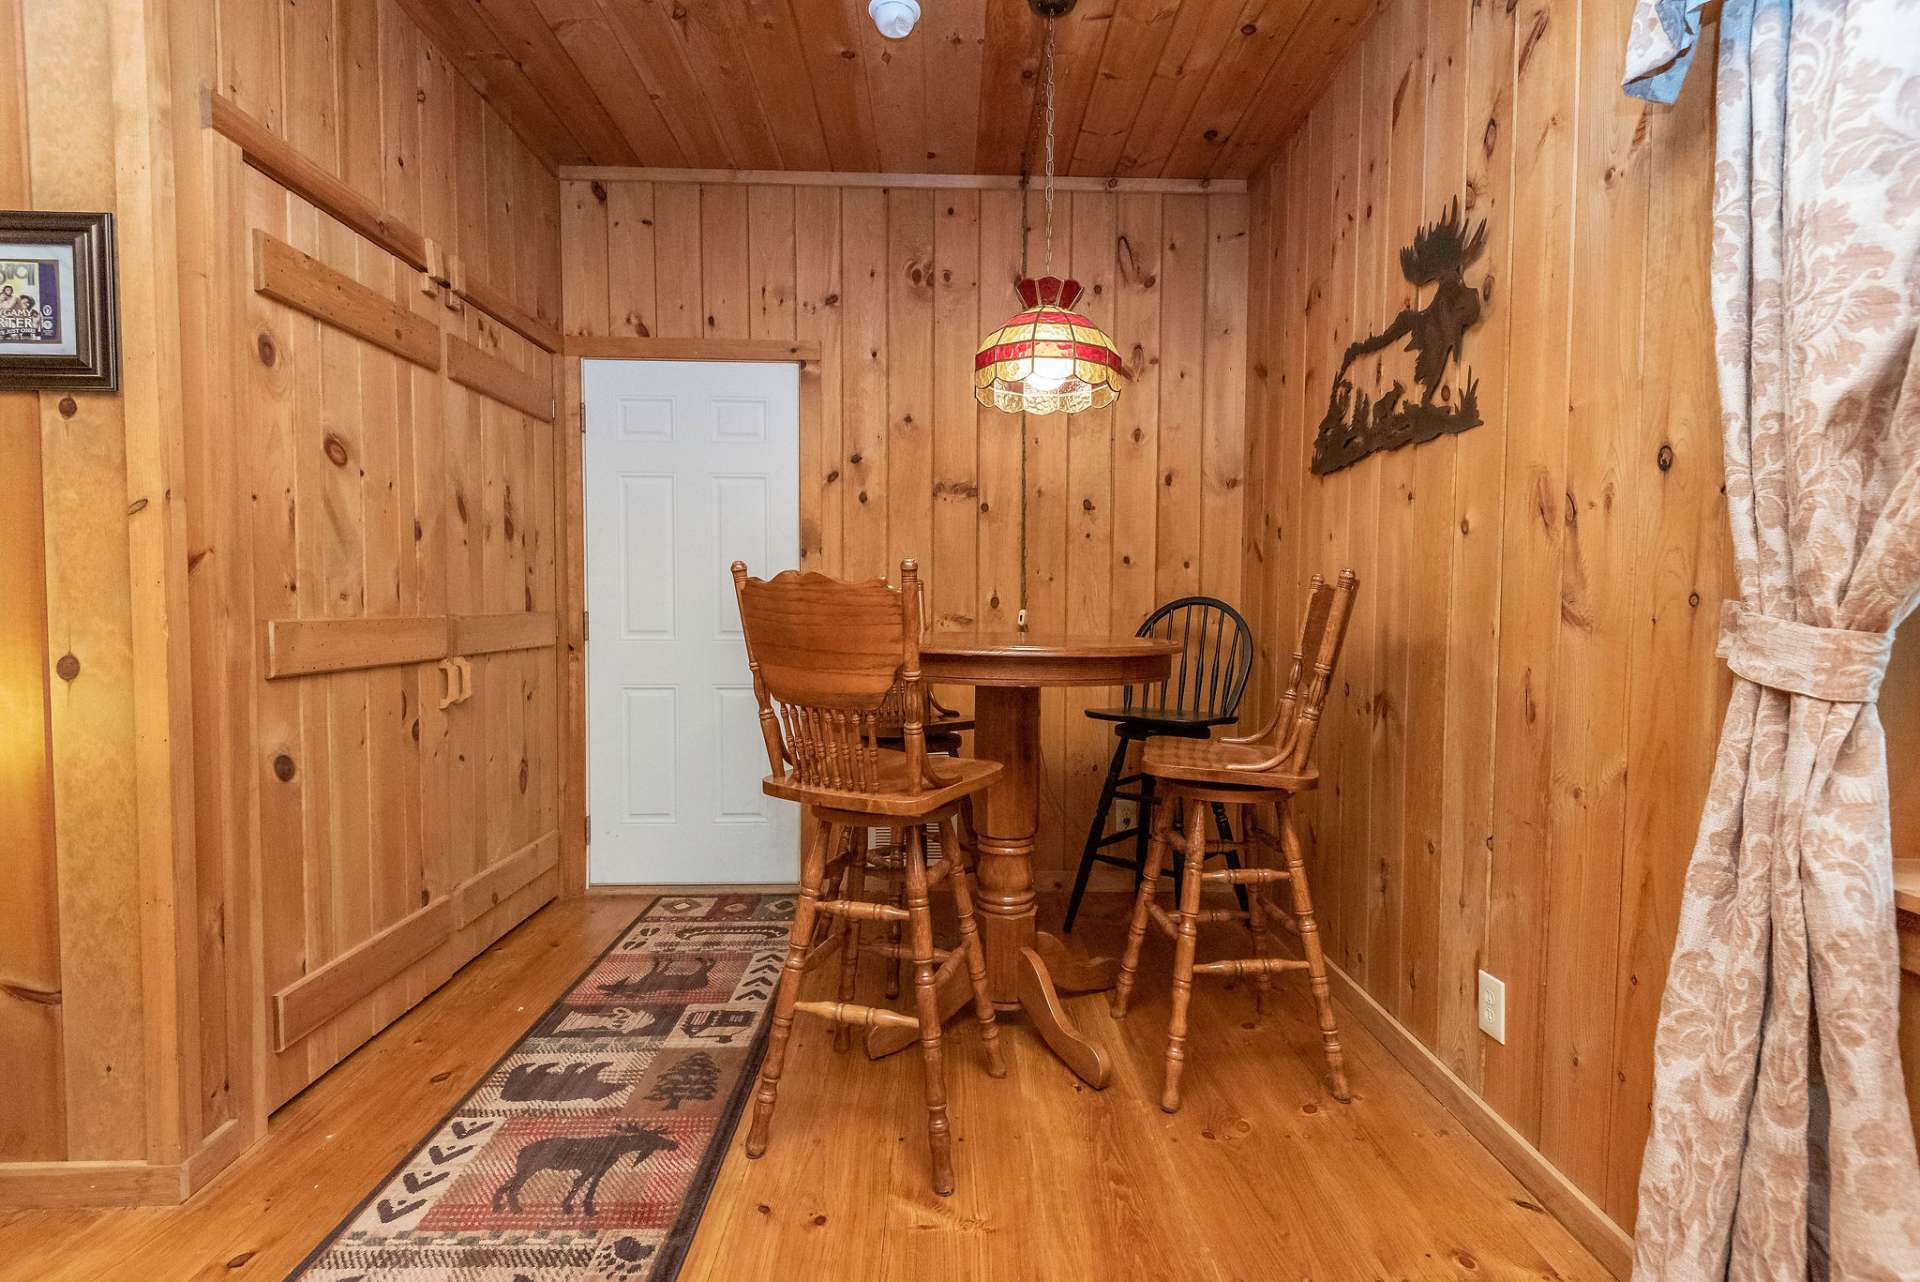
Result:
[{"x": 689, "y": 466}]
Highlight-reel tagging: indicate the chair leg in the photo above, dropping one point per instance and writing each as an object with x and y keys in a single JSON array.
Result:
[
  {"x": 1225, "y": 825},
  {"x": 852, "y": 886},
  {"x": 927, "y": 1000},
  {"x": 1183, "y": 948},
  {"x": 1142, "y": 829},
  {"x": 1157, "y": 852},
  {"x": 970, "y": 940},
  {"x": 1097, "y": 830},
  {"x": 896, "y": 845},
  {"x": 1316, "y": 957},
  {"x": 1257, "y": 917},
  {"x": 812, "y": 873}
]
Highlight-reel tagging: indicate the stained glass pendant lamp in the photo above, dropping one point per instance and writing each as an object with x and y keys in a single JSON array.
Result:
[{"x": 1048, "y": 359}]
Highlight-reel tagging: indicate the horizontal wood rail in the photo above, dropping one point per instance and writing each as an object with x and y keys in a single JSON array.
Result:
[
  {"x": 305, "y": 647},
  {"x": 487, "y": 890},
  {"x": 771, "y": 350},
  {"x": 281, "y": 161},
  {"x": 492, "y": 377},
  {"x": 489, "y": 633},
  {"x": 303, "y": 282},
  {"x": 937, "y": 182},
  {"x": 316, "y": 997},
  {"x": 302, "y": 647},
  {"x": 320, "y": 994}
]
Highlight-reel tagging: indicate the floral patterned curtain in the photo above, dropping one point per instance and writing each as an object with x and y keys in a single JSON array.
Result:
[{"x": 1781, "y": 1148}]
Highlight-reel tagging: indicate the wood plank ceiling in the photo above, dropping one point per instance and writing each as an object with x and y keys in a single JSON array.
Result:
[{"x": 1144, "y": 88}]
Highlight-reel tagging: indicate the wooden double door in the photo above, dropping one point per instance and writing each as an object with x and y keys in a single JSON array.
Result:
[{"x": 394, "y": 485}]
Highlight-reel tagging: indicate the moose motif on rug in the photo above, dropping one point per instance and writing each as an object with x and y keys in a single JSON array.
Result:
[
  {"x": 588, "y": 1157},
  {"x": 1356, "y": 425}
]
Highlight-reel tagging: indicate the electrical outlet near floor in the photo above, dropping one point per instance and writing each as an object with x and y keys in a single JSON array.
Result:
[{"x": 1493, "y": 1008}]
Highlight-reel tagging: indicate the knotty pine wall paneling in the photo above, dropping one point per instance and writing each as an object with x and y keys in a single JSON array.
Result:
[
  {"x": 1520, "y": 740},
  {"x": 410, "y": 495},
  {"x": 1127, "y": 506},
  {"x": 149, "y": 786}
]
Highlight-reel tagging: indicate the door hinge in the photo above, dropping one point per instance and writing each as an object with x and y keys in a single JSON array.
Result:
[
  {"x": 586, "y": 822},
  {"x": 586, "y": 625},
  {"x": 583, "y": 418}
]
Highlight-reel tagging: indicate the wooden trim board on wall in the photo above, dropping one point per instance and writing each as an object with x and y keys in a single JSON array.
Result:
[
  {"x": 300, "y": 647},
  {"x": 936, "y": 182},
  {"x": 1563, "y": 1200},
  {"x": 494, "y": 378},
  {"x": 569, "y": 466},
  {"x": 490, "y": 633},
  {"x": 306, "y": 284},
  {"x": 771, "y": 350},
  {"x": 287, "y": 165},
  {"x": 324, "y": 992}
]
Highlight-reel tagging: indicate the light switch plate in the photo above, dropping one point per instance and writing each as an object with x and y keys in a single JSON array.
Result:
[{"x": 1493, "y": 1008}]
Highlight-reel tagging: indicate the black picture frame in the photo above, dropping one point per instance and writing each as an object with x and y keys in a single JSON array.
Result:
[{"x": 94, "y": 364}]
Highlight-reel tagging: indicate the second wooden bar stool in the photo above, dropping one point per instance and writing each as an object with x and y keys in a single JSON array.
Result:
[
  {"x": 1260, "y": 773},
  {"x": 825, "y": 658}
]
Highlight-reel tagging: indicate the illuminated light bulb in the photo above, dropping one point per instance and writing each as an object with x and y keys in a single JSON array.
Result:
[{"x": 1050, "y": 372}]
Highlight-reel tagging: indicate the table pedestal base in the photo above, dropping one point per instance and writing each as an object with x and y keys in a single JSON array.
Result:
[
  {"x": 1042, "y": 973},
  {"x": 1027, "y": 969}
]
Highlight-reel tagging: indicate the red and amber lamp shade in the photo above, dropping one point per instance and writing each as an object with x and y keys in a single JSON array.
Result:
[{"x": 1049, "y": 359}]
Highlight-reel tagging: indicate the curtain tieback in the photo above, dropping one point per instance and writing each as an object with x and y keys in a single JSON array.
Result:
[{"x": 1834, "y": 664}]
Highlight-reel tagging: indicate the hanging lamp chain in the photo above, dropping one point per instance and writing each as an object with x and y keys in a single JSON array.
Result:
[{"x": 1049, "y": 147}]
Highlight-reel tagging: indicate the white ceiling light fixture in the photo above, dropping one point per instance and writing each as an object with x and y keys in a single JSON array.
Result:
[{"x": 895, "y": 18}]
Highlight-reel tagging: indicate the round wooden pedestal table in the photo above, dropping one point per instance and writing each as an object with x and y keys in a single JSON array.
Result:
[{"x": 1026, "y": 968}]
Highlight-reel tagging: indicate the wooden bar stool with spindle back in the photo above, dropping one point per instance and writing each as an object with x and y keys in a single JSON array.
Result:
[
  {"x": 824, "y": 656},
  {"x": 1260, "y": 773}
]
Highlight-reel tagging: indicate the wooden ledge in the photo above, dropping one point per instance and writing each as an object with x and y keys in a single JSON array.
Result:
[
  {"x": 770, "y": 350},
  {"x": 937, "y": 182}
]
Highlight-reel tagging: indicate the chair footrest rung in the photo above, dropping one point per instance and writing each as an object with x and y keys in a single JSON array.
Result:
[
  {"x": 949, "y": 963},
  {"x": 1220, "y": 914},
  {"x": 1242, "y": 966},
  {"x": 1164, "y": 920},
  {"x": 856, "y": 1015},
  {"x": 1221, "y": 847},
  {"x": 861, "y": 910},
  {"x": 1247, "y": 876},
  {"x": 1275, "y": 913},
  {"x": 901, "y": 952},
  {"x": 821, "y": 951}
]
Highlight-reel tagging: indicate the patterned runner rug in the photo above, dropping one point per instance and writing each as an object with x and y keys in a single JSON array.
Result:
[{"x": 589, "y": 1149}]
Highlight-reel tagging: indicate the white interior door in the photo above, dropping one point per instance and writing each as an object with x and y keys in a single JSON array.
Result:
[{"x": 690, "y": 465}]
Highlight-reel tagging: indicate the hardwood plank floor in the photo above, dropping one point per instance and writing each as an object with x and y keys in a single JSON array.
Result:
[{"x": 1261, "y": 1176}]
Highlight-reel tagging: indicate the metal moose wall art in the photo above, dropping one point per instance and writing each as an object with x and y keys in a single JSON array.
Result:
[{"x": 1356, "y": 424}]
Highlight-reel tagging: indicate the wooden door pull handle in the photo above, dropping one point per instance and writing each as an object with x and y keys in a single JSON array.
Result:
[
  {"x": 452, "y": 687},
  {"x": 465, "y": 666}
]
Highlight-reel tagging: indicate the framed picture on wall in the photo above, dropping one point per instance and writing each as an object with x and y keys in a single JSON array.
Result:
[{"x": 59, "y": 305}]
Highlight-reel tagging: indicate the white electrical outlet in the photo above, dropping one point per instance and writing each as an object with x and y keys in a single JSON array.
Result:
[{"x": 1493, "y": 1008}]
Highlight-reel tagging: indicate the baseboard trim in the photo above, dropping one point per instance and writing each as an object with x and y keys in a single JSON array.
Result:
[
  {"x": 70, "y": 1185},
  {"x": 1563, "y": 1200},
  {"x": 698, "y": 888}
]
